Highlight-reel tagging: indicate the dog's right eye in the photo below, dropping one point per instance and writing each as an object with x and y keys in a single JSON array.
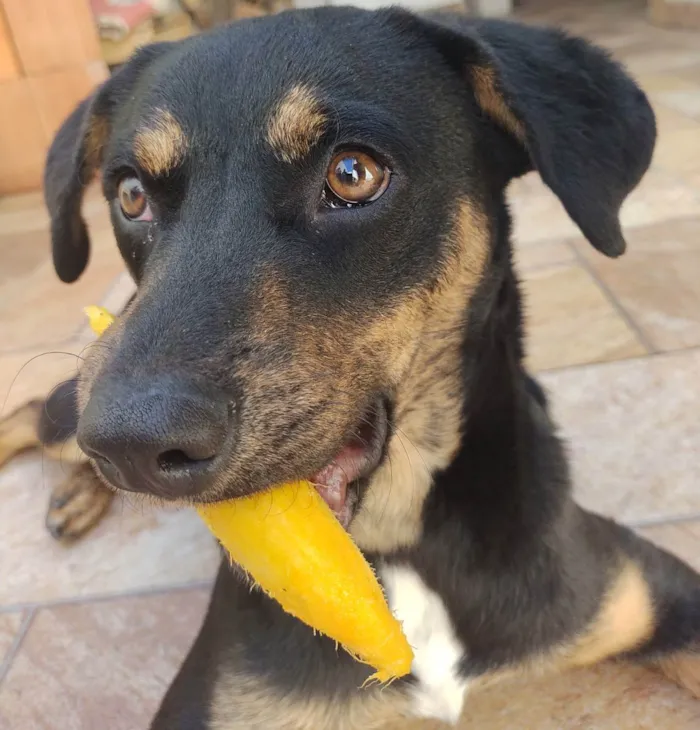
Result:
[
  {"x": 354, "y": 177},
  {"x": 133, "y": 200}
]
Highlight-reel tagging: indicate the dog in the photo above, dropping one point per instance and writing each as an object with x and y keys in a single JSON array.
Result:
[{"x": 313, "y": 208}]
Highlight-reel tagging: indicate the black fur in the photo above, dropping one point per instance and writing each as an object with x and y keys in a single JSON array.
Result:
[{"x": 520, "y": 568}]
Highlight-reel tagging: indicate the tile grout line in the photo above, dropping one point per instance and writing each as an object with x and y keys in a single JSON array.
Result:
[
  {"x": 632, "y": 358},
  {"x": 105, "y": 597},
  {"x": 16, "y": 645},
  {"x": 569, "y": 238},
  {"x": 661, "y": 521},
  {"x": 615, "y": 302}
]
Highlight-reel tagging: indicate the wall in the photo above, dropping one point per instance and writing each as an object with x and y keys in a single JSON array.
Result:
[{"x": 49, "y": 61}]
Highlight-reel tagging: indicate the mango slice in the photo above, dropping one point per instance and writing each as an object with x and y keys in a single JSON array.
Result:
[
  {"x": 100, "y": 319},
  {"x": 289, "y": 542}
]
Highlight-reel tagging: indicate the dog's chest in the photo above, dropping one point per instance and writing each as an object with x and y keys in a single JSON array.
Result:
[{"x": 440, "y": 690}]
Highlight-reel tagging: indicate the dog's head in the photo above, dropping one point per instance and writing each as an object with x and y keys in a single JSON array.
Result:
[{"x": 312, "y": 208}]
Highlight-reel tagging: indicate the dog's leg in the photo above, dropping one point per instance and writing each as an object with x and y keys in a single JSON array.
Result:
[
  {"x": 18, "y": 432},
  {"x": 673, "y": 643},
  {"x": 597, "y": 592},
  {"x": 77, "y": 504},
  {"x": 79, "y": 501},
  {"x": 648, "y": 611}
]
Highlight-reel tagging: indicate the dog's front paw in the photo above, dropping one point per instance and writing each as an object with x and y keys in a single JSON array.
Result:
[{"x": 77, "y": 504}]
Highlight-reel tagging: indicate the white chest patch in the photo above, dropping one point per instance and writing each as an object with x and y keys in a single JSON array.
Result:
[{"x": 439, "y": 692}]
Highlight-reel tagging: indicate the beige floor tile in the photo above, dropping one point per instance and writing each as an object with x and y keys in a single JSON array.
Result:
[
  {"x": 649, "y": 60},
  {"x": 690, "y": 73},
  {"x": 137, "y": 547},
  {"x": 114, "y": 299},
  {"x": 570, "y": 321},
  {"x": 21, "y": 253},
  {"x": 680, "y": 538},
  {"x": 542, "y": 254},
  {"x": 102, "y": 666},
  {"x": 23, "y": 213},
  {"x": 658, "y": 281},
  {"x": 692, "y": 179},
  {"x": 608, "y": 697},
  {"x": 661, "y": 195},
  {"x": 538, "y": 215},
  {"x": 669, "y": 121},
  {"x": 679, "y": 151},
  {"x": 37, "y": 309},
  {"x": 118, "y": 292},
  {"x": 33, "y": 373},
  {"x": 633, "y": 435},
  {"x": 686, "y": 101},
  {"x": 660, "y": 83},
  {"x": 9, "y": 626}
]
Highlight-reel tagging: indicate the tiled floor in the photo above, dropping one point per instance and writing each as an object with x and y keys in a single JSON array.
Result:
[{"x": 90, "y": 635}]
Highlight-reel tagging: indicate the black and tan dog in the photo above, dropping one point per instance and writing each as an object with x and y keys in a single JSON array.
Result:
[{"x": 313, "y": 207}]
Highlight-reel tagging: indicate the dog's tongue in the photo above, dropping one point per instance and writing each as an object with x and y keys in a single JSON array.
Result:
[{"x": 332, "y": 481}]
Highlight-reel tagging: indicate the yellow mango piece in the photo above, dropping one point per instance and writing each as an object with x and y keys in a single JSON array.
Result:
[
  {"x": 100, "y": 319},
  {"x": 290, "y": 543}
]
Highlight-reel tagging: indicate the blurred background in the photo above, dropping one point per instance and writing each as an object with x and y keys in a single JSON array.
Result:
[{"x": 91, "y": 633}]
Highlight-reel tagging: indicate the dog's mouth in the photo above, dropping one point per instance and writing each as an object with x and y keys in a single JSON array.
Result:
[{"x": 341, "y": 481}]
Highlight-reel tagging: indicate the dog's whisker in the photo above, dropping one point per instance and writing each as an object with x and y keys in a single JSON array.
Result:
[{"x": 26, "y": 364}]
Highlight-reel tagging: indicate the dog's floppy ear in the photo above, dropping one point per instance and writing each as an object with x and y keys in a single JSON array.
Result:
[
  {"x": 74, "y": 157},
  {"x": 71, "y": 164},
  {"x": 586, "y": 127}
]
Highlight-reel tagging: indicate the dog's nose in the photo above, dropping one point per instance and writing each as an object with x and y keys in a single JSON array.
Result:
[{"x": 165, "y": 437}]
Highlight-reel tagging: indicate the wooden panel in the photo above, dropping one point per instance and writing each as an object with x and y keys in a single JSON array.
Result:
[
  {"x": 9, "y": 64},
  {"x": 22, "y": 138},
  {"x": 57, "y": 94},
  {"x": 52, "y": 34}
]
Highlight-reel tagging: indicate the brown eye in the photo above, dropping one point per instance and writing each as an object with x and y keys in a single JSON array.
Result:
[
  {"x": 133, "y": 200},
  {"x": 355, "y": 177}
]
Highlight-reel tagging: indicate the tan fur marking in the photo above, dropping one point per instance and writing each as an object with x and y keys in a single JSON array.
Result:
[
  {"x": 67, "y": 452},
  {"x": 428, "y": 399},
  {"x": 683, "y": 669},
  {"x": 296, "y": 124},
  {"x": 18, "y": 431},
  {"x": 492, "y": 102},
  {"x": 160, "y": 145},
  {"x": 626, "y": 620},
  {"x": 242, "y": 702},
  {"x": 270, "y": 304},
  {"x": 95, "y": 140}
]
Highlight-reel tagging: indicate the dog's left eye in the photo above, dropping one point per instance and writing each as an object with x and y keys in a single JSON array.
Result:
[
  {"x": 133, "y": 201},
  {"x": 355, "y": 177}
]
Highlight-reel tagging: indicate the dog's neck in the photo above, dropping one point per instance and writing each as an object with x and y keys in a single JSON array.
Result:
[{"x": 469, "y": 356}]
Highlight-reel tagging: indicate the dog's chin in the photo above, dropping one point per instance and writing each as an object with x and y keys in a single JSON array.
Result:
[{"x": 341, "y": 482}]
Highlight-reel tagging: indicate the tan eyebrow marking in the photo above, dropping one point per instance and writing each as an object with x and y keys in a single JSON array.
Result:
[
  {"x": 493, "y": 103},
  {"x": 160, "y": 145},
  {"x": 296, "y": 124}
]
